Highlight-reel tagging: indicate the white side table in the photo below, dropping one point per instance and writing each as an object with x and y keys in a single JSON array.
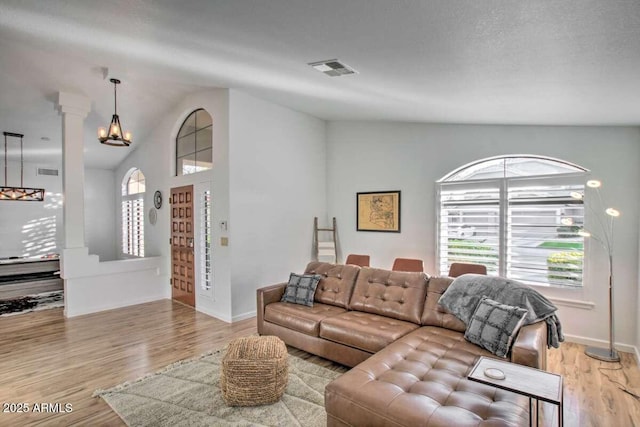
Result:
[{"x": 524, "y": 380}]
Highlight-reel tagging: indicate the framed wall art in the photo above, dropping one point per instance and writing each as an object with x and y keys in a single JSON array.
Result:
[{"x": 378, "y": 211}]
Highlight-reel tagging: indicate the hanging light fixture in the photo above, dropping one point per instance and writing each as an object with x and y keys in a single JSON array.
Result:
[
  {"x": 21, "y": 193},
  {"x": 115, "y": 135}
]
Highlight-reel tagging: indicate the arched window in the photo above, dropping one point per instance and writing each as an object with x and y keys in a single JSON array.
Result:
[
  {"x": 516, "y": 215},
  {"x": 194, "y": 144},
  {"x": 133, "y": 189}
]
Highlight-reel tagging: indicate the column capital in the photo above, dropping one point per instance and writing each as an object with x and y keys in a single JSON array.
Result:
[{"x": 74, "y": 103}]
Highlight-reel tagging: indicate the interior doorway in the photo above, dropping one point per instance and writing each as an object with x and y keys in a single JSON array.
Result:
[{"x": 182, "y": 246}]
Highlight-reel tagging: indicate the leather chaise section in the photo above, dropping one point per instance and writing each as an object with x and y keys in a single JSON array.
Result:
[{"x": 421, "y": 380}]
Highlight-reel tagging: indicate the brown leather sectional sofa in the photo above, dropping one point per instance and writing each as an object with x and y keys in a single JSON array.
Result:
[{"x": 410, "y": 359}]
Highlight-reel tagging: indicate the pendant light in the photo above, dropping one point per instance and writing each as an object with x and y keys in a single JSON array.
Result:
[
  {"x": 114, "y": 136},
  {"x": 21, "y": 193}
]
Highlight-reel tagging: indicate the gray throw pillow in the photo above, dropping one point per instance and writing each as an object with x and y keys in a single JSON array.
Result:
[
  {"x": 494, "y": 326},
  {"x": 301, "y": 289}
]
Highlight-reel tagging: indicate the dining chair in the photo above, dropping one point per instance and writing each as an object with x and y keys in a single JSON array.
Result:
[
  {"x": 408, "y": 264},
  {"x": 361, "y": 260},
  {"x": 460, "y": 268}
]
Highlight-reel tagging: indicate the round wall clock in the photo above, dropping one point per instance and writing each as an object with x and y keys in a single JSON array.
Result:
[{"x": 157, "y": 199}]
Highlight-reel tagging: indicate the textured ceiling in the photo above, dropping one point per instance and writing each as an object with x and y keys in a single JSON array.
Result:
[{"x": 464, "y": 61}]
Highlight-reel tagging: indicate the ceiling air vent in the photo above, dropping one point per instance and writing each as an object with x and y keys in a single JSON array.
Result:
[
  {"x": 45, "y": 171},
  {"x": 333, "y": 68}
]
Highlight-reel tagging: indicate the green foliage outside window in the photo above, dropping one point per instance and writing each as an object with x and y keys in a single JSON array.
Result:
[
  {"x": 463, "y": 250},
  {"x": 565, "y": 266}
]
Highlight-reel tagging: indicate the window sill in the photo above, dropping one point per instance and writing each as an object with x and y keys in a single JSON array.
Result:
[{"x": 565, "y": 302}]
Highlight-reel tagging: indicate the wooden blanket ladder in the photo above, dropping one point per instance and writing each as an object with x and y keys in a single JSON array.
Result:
[{"x": 326, "y": 251}]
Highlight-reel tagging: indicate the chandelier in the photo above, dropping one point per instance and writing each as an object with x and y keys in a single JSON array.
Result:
[
  {"x": 115, "y": 136},
  {"x": 21, "y": 193}
]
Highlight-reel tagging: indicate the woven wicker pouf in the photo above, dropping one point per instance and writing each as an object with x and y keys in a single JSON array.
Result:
[{"x": 254, "y": 371}]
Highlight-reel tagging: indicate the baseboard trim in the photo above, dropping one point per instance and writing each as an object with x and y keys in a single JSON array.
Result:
[
  {"x": 637, "y": 356},
  {"x": 107, "y": 307},
  {"x": 226, "y": 318},
  {"x": 627, "y": 348},
  {"x": 214, "y": 313},
  {"x": 244, "y": 316}
]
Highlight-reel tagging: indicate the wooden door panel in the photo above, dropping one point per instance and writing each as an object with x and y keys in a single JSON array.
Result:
[{"x": 182, "y": 277}]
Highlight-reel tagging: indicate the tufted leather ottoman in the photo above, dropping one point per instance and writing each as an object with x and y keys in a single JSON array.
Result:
[
  {"x": 254, "y": 371},
  {"x": 420, "y": 380}
]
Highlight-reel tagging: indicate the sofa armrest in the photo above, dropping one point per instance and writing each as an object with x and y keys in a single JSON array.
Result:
[
  {"x": 266, "y": 296},
  {"x": 530, "y": 347}
]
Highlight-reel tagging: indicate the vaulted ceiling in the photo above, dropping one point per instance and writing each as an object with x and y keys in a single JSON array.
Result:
[{"x": 553, "y": 62}]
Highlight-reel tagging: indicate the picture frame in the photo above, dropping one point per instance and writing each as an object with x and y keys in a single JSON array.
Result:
[{"x": 378, "y": 211}]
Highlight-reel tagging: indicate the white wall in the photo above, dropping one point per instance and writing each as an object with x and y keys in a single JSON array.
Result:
[
  {"x": 371, "y": 156},
  {"x": 154, "y": 156},
  {"x": 277, "y": 186},
  {"x": 268, "y": 182},
  {"x": 32, "y": 229},
  {"x": 637, "y": 310},
  {"x": 91, "y": 285},
  {"x": 100, "y": 213}
]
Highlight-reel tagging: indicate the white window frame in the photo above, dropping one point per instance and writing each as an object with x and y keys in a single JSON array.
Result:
[
  {"x": 572, "y": 178},
  {"x": 188, "y": 167},
  {"x": 129, "y": 204}
]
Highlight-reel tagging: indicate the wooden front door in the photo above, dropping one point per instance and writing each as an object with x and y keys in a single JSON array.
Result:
[{"x": 182, "y": 278}]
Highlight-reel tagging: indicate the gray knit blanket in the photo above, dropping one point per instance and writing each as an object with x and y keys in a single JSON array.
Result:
[{"x": 463, "y": 295}]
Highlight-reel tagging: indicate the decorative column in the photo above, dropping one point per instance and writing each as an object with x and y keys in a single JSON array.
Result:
[{"x": 74, "y": 109}]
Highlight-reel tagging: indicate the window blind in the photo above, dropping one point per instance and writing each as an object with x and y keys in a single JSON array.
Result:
[
  {"x": 205, "y": 241},
  {"x": 133, "y": 227},
  {"x": 469, "y": 225},
  {"x": 543, "y": 244}
]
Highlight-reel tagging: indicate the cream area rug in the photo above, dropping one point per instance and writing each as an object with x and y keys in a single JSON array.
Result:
[{"x": 187, "y": 393}]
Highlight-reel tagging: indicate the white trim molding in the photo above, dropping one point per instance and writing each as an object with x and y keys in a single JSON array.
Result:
[
  {"x": 627, "y": 348},
  {"x": 574, "y": 303},
  {"x": 220, "y": 316},
  {"x": 244, "y": 316}
]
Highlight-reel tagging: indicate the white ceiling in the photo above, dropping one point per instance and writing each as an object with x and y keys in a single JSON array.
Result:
[{"x": 561, "y": 62}]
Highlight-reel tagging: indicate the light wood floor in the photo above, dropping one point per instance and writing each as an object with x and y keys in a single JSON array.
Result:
[
  {"x": 590, "y": 399},
  {"x": 45, "y": 358}
]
